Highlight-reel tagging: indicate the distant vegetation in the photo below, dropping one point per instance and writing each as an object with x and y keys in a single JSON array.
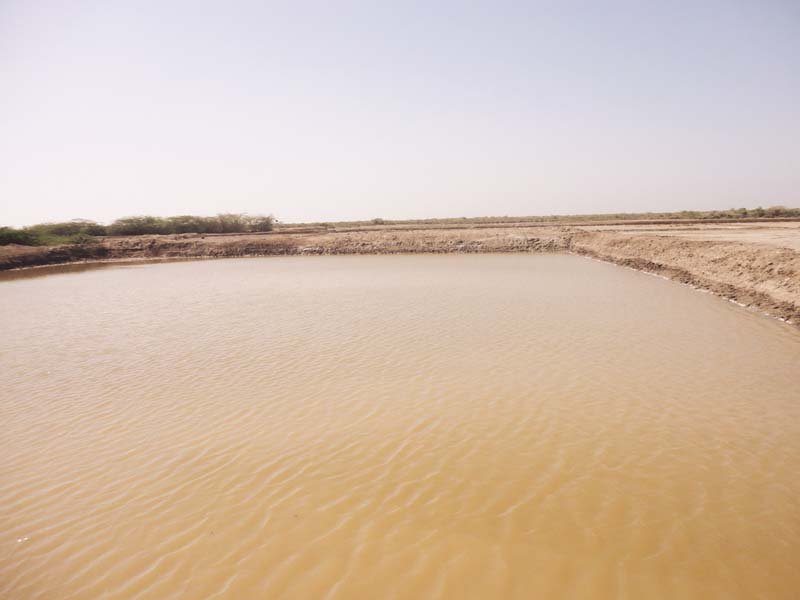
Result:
[
  {"x": 81, "y": 231},
  {"x": 52, "y": 234},
  {"x": 773, "y": 212},
  {"x": 84, "y": 232},
  {"x": 224, "y": 223}
]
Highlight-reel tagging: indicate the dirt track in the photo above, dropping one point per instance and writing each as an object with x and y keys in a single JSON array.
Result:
[{"x": 757, "y": 265}]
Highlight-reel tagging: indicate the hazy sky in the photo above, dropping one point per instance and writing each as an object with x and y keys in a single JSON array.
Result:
[{"x": 353, "y": 110}]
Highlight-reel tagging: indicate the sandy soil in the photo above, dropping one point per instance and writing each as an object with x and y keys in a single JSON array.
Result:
[
  {"x": 754, "y": 264},
  {"x": 782, "y": 235}
]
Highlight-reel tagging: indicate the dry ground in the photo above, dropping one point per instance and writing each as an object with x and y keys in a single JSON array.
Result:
[{"x": 780, "y": 234}]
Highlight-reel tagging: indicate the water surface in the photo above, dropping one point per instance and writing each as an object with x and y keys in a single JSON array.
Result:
[{"x": 509, "y": 426}]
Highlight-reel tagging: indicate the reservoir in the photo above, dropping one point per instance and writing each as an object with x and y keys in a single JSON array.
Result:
[{"x": 460, "y": 426}]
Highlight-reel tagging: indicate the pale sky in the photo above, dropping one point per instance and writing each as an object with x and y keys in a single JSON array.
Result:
[{"x": 353, "y": 110}]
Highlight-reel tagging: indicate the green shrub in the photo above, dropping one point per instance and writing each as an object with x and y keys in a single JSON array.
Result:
[
  {"x": 140, "y": 226},
  {"x": 261, "y": 223},
  {"x": 68, "y": 228},
  {"x": 81, "y": 238},
  {"x": 9, "y": 235},
  {"x": 222, "y": 223}
]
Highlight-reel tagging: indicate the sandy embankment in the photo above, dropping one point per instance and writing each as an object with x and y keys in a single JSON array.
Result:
[
  {"x": 758, "y": 266},
  {"x": 762, "y": 276}
]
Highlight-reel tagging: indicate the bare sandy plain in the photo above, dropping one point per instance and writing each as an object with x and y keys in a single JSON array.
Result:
[{"x": 780, "y": 234}]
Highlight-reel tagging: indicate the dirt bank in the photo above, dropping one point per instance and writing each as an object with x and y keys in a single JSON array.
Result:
[
  {"x": 278, "y": 244},
  {"x": 760, "y": 275}
]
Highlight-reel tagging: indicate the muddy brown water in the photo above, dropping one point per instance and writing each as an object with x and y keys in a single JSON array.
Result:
[{"x": 504, "y": 426}]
